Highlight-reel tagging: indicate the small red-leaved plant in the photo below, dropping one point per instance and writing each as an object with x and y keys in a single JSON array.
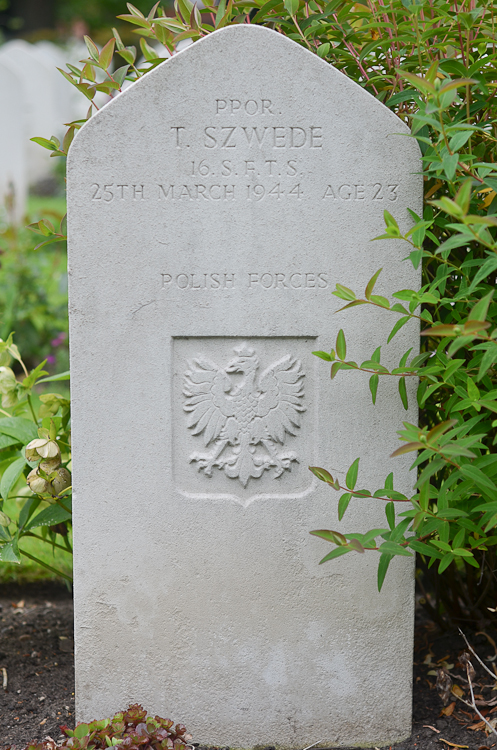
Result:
[{"x": 130, "y": 729}]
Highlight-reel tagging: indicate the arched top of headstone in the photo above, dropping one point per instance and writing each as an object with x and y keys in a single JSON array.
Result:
[{"x": 236, "y": 70}]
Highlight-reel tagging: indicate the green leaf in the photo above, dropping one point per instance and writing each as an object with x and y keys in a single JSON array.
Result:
[
  {"x": 292, "y": 6},
  {"x": 470, "y": 471},
  {"x": 335, "y": 367},
  {"x": 17, "y": 427},
  {"x": 371, "y": 283},
  {"x": 484, "y": 270},
  {"x": 10, "y": 477},
  {"x": 356, "y": 545},
  {"x": 479, "y": 311},
  {"x": 221, "y": 8},
  {"x": 488, "y": 359},
  {"x": 445, "y": 562},
  {"x": 383, "y": 564},
  {"x": 424, "y": 549},
  {"x": 390, "y": 221},
  {"x": 10, "y": 552},
  {"x": 419, "y": 83},
  {"x": 120, "y": 74},
  {"x": 106, "y": 54},
  {"x": 92, "y": 49},
  {"x": 407, "y": 448},
  {"x": 390, "y": 514},
  {"x": 392, "y": 548},
  {"x": 82, "y": 730},
  {"x": 440, "y": 429},
  {"x": 50, "y": 145},
  {"x": 323, "y": 49},
  {"x": 473, "y": 391},
  {"x": 449, "y": 165},
  {"x": 321, "y": 474},
  {"x": 344, "y": 292},
  {"x": 373, "y": 386},
  {"x": 456, "y": 142},
  {"x": 330, "y": 536},
  {"x": 337, "y": 552},
  {"x": 401, "y": 322},
  {"x": 343, "y": 504},
  {"x": 381, "y": 301},
  {"x": 27, "y": 510},
  {"x": 323, "y": 355},
  {"x": 351, "y": 478},
  {"x": 50, "y": 516},
  {"x": 403, "y": 392},
  {"x": 53, "y": 378},
  {"x": 341, "y": 347}
]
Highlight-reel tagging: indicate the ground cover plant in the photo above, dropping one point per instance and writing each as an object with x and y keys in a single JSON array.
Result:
[
  {"x": 433, "y": 64},
  {"x": 132, "y": 728}
]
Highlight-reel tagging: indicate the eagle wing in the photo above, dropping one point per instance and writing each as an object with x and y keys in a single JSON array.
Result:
[
  {"x": 205, "y": 389},
  {"x": 282, "y": 393}
]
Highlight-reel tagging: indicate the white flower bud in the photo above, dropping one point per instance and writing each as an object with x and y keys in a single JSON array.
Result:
[
  {"x": 37, "y": 484},
  {"x": 61, "y": 481}
]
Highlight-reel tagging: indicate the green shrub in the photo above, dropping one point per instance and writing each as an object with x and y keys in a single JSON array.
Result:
[
  {"x": 33, "y": 290},
  {"x": 34, "y": 456},
  {"x": 434, "y": 65}
]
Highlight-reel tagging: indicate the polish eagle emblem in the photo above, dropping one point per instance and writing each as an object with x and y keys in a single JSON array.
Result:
[{"x": 244, "y": 418}]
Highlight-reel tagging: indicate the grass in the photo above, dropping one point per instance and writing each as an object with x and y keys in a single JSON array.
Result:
[{"x": 39, "y": 207}]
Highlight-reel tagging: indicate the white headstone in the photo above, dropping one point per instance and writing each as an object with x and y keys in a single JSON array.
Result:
[
  {"x": 71, "y": 103},
  {"x": 12, "y": 147},
  {"x": 212, "y": 208},
  {"x": 38, "y": 89}
]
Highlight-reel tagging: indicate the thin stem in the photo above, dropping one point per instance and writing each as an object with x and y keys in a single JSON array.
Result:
[
  {"x": 31, "y": 409},
  {"x": 476, "y": 655},
  {"x": 301, "y": 34},
  {"x": 474, "y": 703},
  {"x": 23, "y": 367},
  {"x": 46, "y": 565},
  {"x": 59, "y": 502},
  {"x": 42, "y": 539}
]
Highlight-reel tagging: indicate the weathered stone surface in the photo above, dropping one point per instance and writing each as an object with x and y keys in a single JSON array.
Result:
[
  {"x": 12, "y": 147},
  {"x": 212, "y": 208}
]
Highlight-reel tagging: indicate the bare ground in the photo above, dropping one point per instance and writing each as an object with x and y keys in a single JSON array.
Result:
[{"x": 36, "y": 660}]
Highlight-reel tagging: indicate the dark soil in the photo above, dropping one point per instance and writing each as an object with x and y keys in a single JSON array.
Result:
[{"x": 36, "y": 650}]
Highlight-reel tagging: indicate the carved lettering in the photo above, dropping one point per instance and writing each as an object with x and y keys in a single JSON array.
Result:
[
  {"x": 360, "y": 192},
  {"x": 216, "y": 192},
  {"x": 178, "y": 130},
  {"x": 248, "y": 106},
  {"x": 297, "y": 280},
  {"x": 119, "y": 191},
  {"x": 277, "y": 136},
  {"x": 378, "y": 192},
  {"x": 265, "y": 280}
]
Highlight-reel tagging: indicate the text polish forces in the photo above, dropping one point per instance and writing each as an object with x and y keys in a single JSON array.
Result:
[{"x": 219, "y": 281}]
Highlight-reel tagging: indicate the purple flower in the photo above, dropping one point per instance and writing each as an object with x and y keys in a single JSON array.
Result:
[
  {"x": 59, "y": 340},
  {"x": 51, "y": 359}
]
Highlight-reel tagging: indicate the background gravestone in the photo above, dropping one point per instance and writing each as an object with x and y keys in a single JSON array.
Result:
[
  {"x": 37, "y": 90},
  {"x": 12, "y": 145},
  {"x": 212, "y": 208}
]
